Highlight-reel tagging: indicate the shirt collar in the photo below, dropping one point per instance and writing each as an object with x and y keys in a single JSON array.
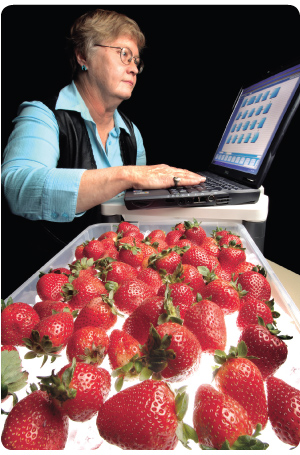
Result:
[{"x": 70, "y": 99}]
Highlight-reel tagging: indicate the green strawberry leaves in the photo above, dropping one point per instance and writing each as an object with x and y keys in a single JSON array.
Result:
[{"x": 184, "y": 432}]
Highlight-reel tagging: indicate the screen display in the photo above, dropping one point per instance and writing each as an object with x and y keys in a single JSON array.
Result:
[{"x": 255, "y": 120}]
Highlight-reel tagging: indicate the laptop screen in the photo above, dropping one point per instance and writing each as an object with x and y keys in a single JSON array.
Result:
[{"x": 255, "y": 120}]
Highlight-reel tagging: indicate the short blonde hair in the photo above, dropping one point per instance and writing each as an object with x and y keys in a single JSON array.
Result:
[{"x": 98, "y": 26}]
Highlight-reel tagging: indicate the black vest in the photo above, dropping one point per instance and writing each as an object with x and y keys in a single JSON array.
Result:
[{"x": 76, "y": 153}]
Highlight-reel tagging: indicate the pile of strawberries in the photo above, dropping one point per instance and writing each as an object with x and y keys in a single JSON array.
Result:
[{"x": 151, "y": 308}]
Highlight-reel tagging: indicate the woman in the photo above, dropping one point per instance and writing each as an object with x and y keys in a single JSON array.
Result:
[{"x": 66, "y": 156}]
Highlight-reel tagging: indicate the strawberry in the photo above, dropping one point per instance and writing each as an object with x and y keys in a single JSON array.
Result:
[
  {"x": 284, "y": 405},
  {"x": 159, "y": 244},
  {"x": 194, "y": 232},
  {"x": 139, "y": 321},
  {"x": 151, "y": 277},
  {"x": 243, "y": 267},
  {"x": 122, "y": 349},
  {"x": 228, "y": 238},
  {"x": 117, "y": 271},
  {"x": 130, "y": 294},
  {"x": 131, "y": 254},
  {"x": 198, "y": 256},
  {"x": 221, "y": 422},
  {"x": 49, "y": 285},
  {"x": 125, "y": 227},
  {"x": 252, "y": 308},
  {"x": 181, "y": 243},
  {"x": 13, "y": 378},
  {"x": 145, "y": 416},
  {"x": 231, "y": 255},
  {"x": 34, "y": 423},
  {"x": 79, "y": 250},
  {"x": 83, "y": 264},
  {"x": 109, "y": 235},
  {"x": 210, "y": 245},
  {"x": 219, "y": 233},
  {"x": 17, "y": 321},
  {"x": 265, "y": 343},
  {"x": 78, "y": 389},
  {"x": 110, "y": 249},
  {"x": 88, "y": 344},
  {"x": 93, "y": 249},
  {"x": 45, "y": 308},
  {"x": 99, "y": 312},
  {"x": 50, "y": 335},
  {"x": 234, "y": 378},
  {"x": 172, "y": 237},
  {"x": 156, "y": 234},
  {"x": 223, "y": 294},
  {"x": 167, "y": 260},
  {"x": 172, "y": 352},
  {"x": 181, "y": 294},
  {"x": 191, "y": 276},
  {"x": 81, "y": 290},
  {"x": 256, "y": 285},
  {"x": 205, "y": 319}
]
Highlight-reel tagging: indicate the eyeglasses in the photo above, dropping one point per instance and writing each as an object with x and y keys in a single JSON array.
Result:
[{"x": 127, "y": 56}]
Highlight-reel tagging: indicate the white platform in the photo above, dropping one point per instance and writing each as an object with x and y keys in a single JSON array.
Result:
[{"x": 257, "y": 212}]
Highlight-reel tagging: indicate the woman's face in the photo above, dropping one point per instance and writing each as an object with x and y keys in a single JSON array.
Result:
[{"x": 113, "y": 80}]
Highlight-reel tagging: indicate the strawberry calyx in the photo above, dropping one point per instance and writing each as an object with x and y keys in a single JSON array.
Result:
[
  {"x": 184, "y": 432},
  {"x": 41, "y": 347},
  {"x": 13, "y": 378},
  {"x": 207, "y": 274},
  {"x": 81, "y": 264},
  {"x": 191, "y": 224},
  {"x": 111, "y": 287},
  {"x": 4, "y": 304},
  {"x": 273, "y": 330},
  {"x": 172, "y": 313},
  {"x": 244, "y": 442},
  {"x": 233, "y": 244},
  {"x": 59, "y": 388},
  {"x": 240, "y": 351},
  {"x": 133, "y": 248}
]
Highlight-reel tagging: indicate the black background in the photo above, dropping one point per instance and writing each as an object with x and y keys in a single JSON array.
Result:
[{"x": 189, "y": 49}]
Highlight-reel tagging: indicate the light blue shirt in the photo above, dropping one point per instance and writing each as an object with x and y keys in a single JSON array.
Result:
[{"x": 33, "y": 186}]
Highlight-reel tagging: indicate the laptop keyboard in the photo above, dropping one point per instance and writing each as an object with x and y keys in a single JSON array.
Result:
[{"x": 210, "y": 184}]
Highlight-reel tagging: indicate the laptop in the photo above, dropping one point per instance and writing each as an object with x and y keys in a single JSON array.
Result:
[{"x": 259, "y": 120}]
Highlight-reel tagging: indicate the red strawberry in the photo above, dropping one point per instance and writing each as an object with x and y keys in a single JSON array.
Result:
[
  {"x": 49, "y": 286},
  {"x": 284, "y": 405},
  {"x": 205, "y": 319},
  {"x": 99, "y": 312},
  {"x": 50, "y": 335},
  {"x": 193, "y": 278},
  {"x": 194, "y": 232},
  {"x": 219, "y": 233},
  {"x": 156, "y": 234},
  {"x": 110, "y": 248},
  {"x": 81, "y": 290},
  {"x": 88, "y": 344},
  {"x": 228, "y": 238},
  {"x": 93, "y": 249},
  {"x": 253, "y": 308},
  {"x": 151, "y": 277},
  {"x": 17, "y": 322},
  {"x": 34, "y": 423},
  {"x": 117, "y": 271},
  {"x": 159, "y": 245},
  {"x": 45, "y": 308},
  {"x": 139, "y": 321},
  {"x": 181, "y": 294},
  {"x": 223, "y": 273},
  {"x": 242, "y": 268},
  {"x": 217, "y": 418},
  {"x": 223, "y": 294},
  {"x": 124, "y": 227},
  {"x": 80, "y": 392},
  {"x": 265, "y": 343},
  {"x": 181, "y": 243},
  {"x": 130, "y": 294},
  {"x": 144, "y": 416},
  {"x": 167, "y": 260},
  {"x": 131, "y": 254},
  {"x": 231, "y": 255},
  {"x": 172, "y": 351},
  {"x": 211, "y": 246},
  {"x": 123, "y": 348},
  {"x": 255, "y": 284},
  {"x": 172, "y": 237},
  {"x": 198, "y": 256},
  {"x": 109, "y": 235},
  {"x": 83, "y": 264},
  {"x": 79, "y": 250},
  {"x": 234, "y": 378}
]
